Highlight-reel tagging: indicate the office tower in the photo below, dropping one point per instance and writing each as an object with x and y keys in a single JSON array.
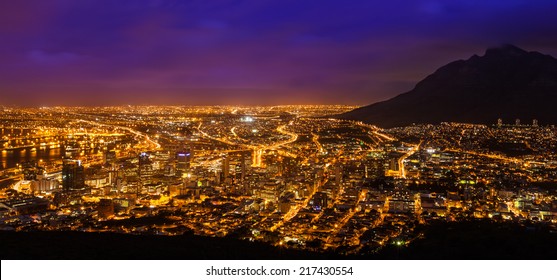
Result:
[
  {"x": 183, "y": 161},
  {"x": 393, "y": 164},
  {"x": 319, "y": 201},
  {"x": 338, "y": 174},
  {"x": 73, "y": 176},
  {"x": 225, "y": 167},
  {"x": 243, "y": 166},
  {"x": 109, "y": 157},
  {"x": 145, "y": 168}
]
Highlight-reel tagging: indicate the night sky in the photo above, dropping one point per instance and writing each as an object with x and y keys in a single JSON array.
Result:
[{"x": 248, "y": 52}]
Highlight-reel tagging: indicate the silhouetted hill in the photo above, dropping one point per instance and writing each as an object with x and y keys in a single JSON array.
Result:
[
  {"x": 476, "y": 239},
  {"x": 116, "y": 246},
  {"x": 505, "y": 82}
]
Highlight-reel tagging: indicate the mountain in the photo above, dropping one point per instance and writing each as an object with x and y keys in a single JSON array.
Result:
[{"x": 506, "y": 82}]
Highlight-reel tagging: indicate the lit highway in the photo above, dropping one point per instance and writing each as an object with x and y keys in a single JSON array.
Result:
[
  {"x": 414, "y": 149},
  {"x": 214, "y": 191}
]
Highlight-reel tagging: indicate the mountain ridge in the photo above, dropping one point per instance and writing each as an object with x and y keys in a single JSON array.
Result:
[{"x": 506, "y": 82}]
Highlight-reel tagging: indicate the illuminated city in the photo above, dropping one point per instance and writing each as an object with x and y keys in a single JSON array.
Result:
[
  {"x": 285, "y": 175},
  {"x": 278, "y": 130}
]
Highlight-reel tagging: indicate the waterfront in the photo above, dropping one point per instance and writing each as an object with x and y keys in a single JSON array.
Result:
[{"x": 284, "y": 176}]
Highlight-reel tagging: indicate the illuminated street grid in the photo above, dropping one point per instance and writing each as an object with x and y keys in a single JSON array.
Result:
[{"x": 287, "y": 175}]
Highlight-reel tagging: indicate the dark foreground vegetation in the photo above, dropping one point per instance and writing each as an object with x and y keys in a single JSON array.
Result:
[{"x": 462, "y": 240}]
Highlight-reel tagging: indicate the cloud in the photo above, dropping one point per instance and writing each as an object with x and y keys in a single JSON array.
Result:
[{"x": 322, "y": 51}]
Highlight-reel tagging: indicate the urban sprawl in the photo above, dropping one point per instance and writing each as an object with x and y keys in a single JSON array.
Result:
[{"x": 291, "y": 176}]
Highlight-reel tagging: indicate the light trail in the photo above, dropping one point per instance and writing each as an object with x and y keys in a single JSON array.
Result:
[
  {"x": 258, "y": 150},
  {"x": 492, "y": 156},
  {"x": 315, "y": 140},
  {"x": 401, "y": 159},
  {"x": 137, "y": 133}
]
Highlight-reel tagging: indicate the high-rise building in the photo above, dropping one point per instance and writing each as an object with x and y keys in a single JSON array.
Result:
[
  {"x": 338, "y": 174},
  {"x": 183, "y": 161},
  {"x": 319, "y": 201},
  {"x": 109, "y": 157},
  {"x": 225, "y": 167},
  {"x": 517, "y": 122},
  {"x": 73, "y": 175},
  {"x": 145, "y": 168},
  {"x": 393, "y": 164},
  {"x": 243, "y": 166},
  {"x": 535, "y": 122},
  {"x": 499, "y": 122},
  {"x": 374, "y": 168}
]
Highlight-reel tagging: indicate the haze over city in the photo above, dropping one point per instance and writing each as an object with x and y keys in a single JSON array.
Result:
[{"x": 247, "y": 52}]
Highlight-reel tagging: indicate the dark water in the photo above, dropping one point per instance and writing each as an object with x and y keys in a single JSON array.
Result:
[{"x": 10, "y": 158}]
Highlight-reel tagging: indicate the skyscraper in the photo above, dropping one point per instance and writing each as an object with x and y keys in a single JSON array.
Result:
[
  {"x": 145, "y": 168},
  {"x": 183, "y": 160},
  {"x": 73, "y": 176},
  {"x": 243, "y": 166},
  {"x": 225, "y": 167},
  {"x": 338, "y": 174}
]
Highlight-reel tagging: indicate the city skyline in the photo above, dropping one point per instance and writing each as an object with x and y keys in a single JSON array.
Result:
[
  {"x": 244, "y": 53},
  {"x": 277, "y": 182}
]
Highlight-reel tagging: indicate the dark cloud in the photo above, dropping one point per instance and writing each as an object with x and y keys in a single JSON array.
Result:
[{"x": 248, "y": 52}]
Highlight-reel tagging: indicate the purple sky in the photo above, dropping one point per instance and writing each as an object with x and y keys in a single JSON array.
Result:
[{"x": 248, "y": 52}]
